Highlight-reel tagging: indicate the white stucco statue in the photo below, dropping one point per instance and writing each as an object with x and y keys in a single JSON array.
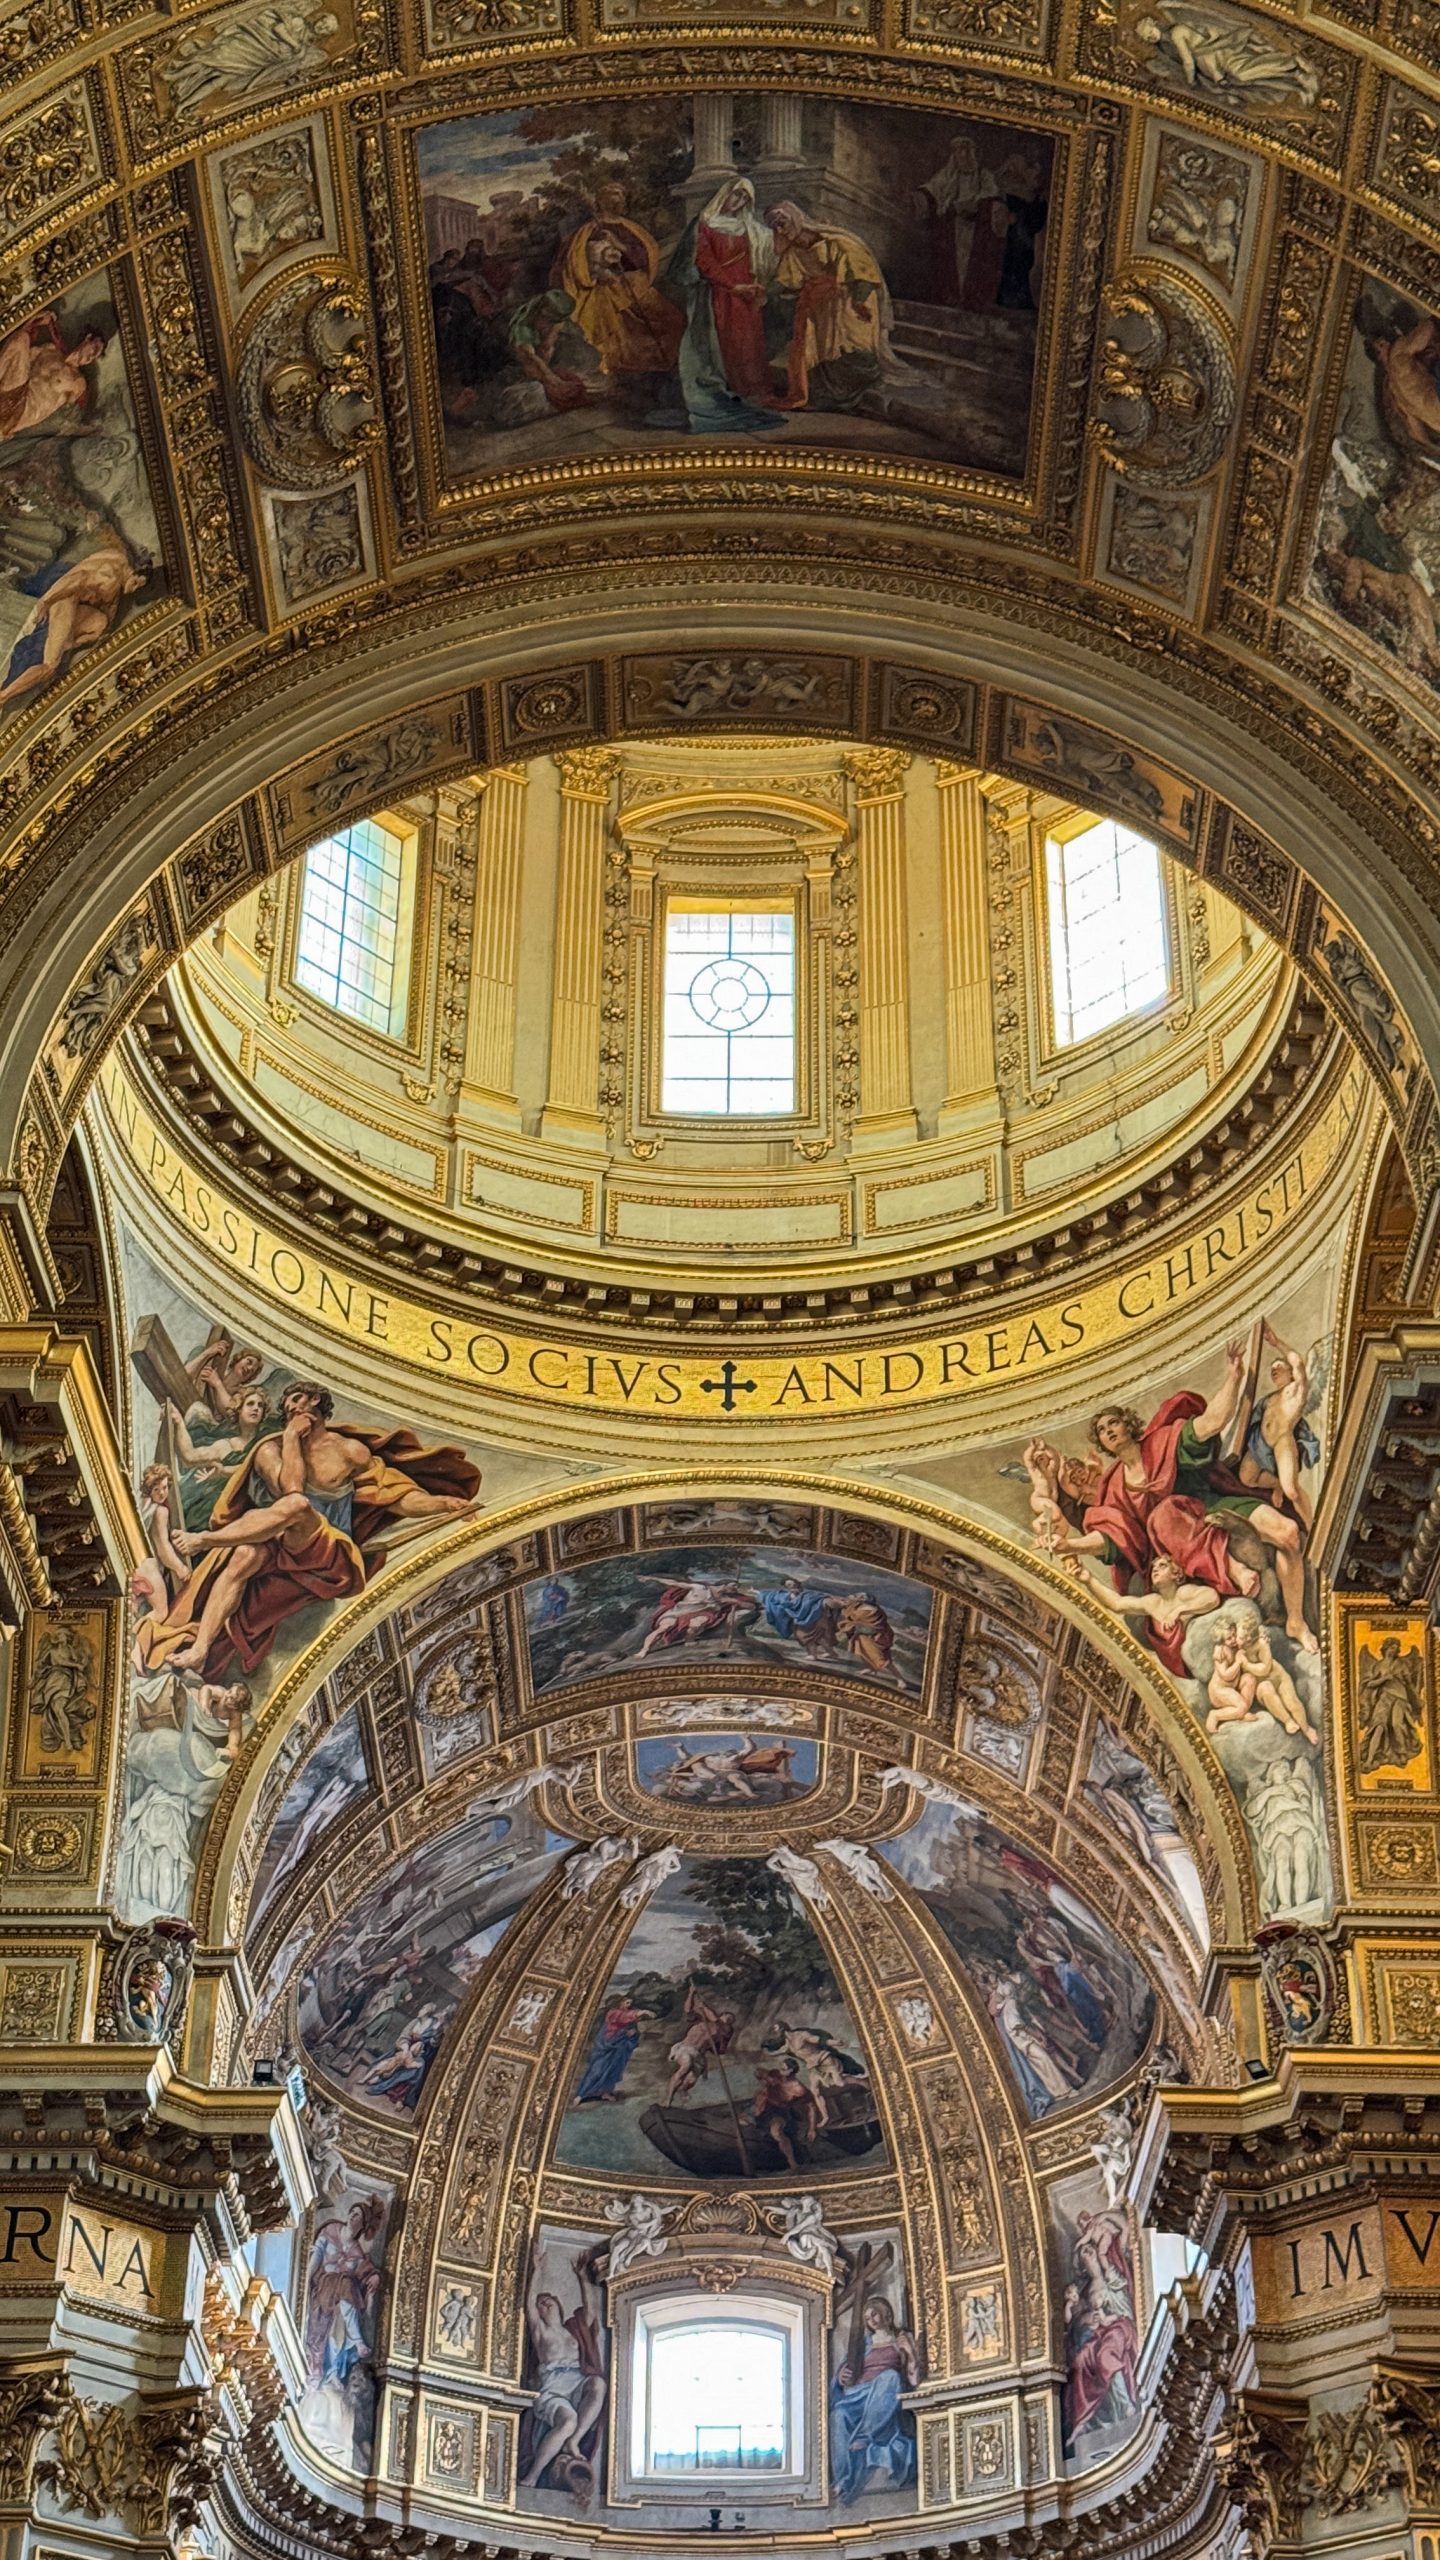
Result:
[
  {"x": 801, "y": 1874},
  {"x": 862, "y": 1866},
  {"x": 638, "y": 2224},
  {"x": 934, "y": 1790},
  {"x": 800, "y": 2221},
  {"x": 560, "y": 1773},
  {"x": 649, "y": 1875},
  {"x": 584, "y": 1871}
]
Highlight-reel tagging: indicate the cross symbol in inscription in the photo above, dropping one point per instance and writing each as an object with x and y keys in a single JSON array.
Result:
[{"x": 727, "y": 1386}]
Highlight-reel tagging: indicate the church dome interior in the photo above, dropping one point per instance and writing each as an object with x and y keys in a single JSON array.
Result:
[{"x": 719, "y": 1279}]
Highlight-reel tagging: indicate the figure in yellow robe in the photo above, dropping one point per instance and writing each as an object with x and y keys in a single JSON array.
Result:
[
  {"x": 607, "y": 268},
  {"x": 840, "y": 316}
]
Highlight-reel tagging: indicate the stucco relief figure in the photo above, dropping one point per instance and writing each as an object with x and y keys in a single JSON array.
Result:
[
  {"x": 185, "y": 1736},
  {"x": 562, "y": 2435},
  {"x": 1391, "y": 1706},
  {"x": 249, "y": 53},
  {"x": 62, "y": 1688},
  {"x": 1226, "y": 55},
  {"x": 297, "y": 1523}
]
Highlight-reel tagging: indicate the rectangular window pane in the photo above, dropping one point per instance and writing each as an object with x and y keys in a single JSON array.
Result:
[
  {"x": 1109, "y": 944},
  {"x": 347, "y": 947},
  {"x": 718, "y": 2398},
  {"x": 729, "y": 1013}
]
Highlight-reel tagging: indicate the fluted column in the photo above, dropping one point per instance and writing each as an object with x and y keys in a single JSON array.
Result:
[
  {"x": 887, "y": 1110},
  {"x": 490, "y": 1035},
  {"x": 572, "y": 1109},
  {"x": 965, "y": 913}
]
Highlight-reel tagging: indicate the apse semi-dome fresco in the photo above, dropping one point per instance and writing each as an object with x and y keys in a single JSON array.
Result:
[{"x": 701, "y": 1954}]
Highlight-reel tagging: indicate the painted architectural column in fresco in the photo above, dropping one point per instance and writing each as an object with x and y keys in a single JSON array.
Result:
[
  {"x": 490, "y": 1035},
  {"x": 573, "y": 1108},
  {"x": 887, "y": 1111},
  {"x": 969, "y": 1043}
]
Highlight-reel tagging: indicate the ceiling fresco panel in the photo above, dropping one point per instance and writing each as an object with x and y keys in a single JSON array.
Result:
[
  {"x": 616, "y": 276},
  {"x": 729, "y": 1604}
]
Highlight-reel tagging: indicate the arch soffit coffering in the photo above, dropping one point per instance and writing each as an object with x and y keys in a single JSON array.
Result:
[{"x": 1164, "y": 1728}]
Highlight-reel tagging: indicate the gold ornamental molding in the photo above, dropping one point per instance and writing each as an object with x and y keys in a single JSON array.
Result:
[{"x": 755, "y": 1390}]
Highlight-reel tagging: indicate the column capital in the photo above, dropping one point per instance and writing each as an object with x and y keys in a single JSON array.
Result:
[
  {"x": 878, "y": 773},
  {"x": 586, "y": 773}
]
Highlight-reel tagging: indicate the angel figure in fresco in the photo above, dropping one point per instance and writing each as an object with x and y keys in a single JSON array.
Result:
[
  {"x": 297, "y": 1523},
  {"x": 1164, "y": 1488},
  {"x": 1246, "y": 1677},
  {"x": 1101, "y": 2337},
  {"x": 569, "y": 2386},
  {"x": 1392, "y": 1707},
  {"x": 1279, "y": 1441}
]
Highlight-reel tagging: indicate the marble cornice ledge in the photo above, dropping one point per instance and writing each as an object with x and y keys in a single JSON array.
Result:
[
  {"x": 126, "y": 2115},
  {"x": 1324, "y": 2120}
]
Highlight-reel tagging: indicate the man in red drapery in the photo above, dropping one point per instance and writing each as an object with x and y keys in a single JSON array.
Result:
[
  {"x": 1166, "y": 1491},
  {"x": 722, "y": 269}
]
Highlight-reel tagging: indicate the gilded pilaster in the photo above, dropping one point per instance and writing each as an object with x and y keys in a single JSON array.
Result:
[
  {"x": 572, "y": 1109},
  {"x": 887, "y": 1110},
  {"x": 490, "y": 1035},
  {"x": 965, "y": 910}
]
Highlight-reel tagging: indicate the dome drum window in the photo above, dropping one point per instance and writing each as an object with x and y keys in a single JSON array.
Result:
[
  {"x": 722, "y": 928},
  {"x": 353, "y": 924}
]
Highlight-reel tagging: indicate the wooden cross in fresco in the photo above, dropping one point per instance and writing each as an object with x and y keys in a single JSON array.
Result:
[{"x": 727, "y": 1386}]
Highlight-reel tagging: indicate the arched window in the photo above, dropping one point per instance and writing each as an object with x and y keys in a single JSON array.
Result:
[
  {"x": 352, "y": 948},
  {"x": 1109, "y": 931}
]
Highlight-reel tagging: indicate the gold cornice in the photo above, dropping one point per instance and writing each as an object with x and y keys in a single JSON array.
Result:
[{"x": 474, "y": 1345}]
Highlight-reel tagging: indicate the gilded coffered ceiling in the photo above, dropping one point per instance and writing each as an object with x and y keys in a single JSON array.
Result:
[{"x": 406, "y": 461}]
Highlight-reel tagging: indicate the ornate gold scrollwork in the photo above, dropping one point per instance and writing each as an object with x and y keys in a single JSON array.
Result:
[
  {"x": 306, "y": 383},
  {"x": 1165, "y": 386}
]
